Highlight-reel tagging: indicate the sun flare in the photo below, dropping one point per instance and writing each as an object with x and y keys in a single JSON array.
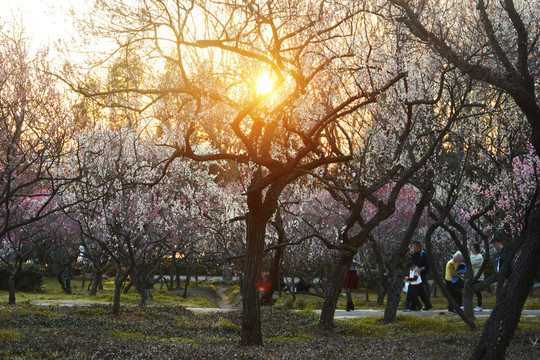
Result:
[{"x": 264, "y": 84}]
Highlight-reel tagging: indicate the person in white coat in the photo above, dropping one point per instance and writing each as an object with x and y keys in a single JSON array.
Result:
[
  {"x": 476, "y": 261},
  {"x": 415, "y": 281}
]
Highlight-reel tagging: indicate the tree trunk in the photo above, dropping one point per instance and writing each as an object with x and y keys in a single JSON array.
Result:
[
  {"x": 83, "y": 277},
  {"x": 67, "y": 280},
  {"x": 251, "y": 313},
  {"x": 60, "y": 278},
  {"x": 381, "y": 286},
  {"x": 11, "y": 286},
  {"x": 118, "y": 281},
  {"x": 178, "y": 278},
  {"x": 129, "y": 285},
  {"x": 382, "y": 289},
  {"x": 273, "y": 279},
  {"x": 138, "y": 282},
  {"x": 144, "y": 294},
  {"x": 336, "y": 278},
  {"x": 468, "y": 296},
  {"x": 273, "y": 274},
  {"x": 188, "y": 279},
  {"x": 96, "y": 281},
  {"x": 172, "y": 271},
  {"x": 502, "y": 323},
  {"x": 394, "y": 293}
]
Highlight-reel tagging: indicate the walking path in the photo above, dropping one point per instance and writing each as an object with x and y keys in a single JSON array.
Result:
[
  {"x": 339, "y": 314},
  {"x": 342, "y": 314},
  {"x": 224, "y": 303}
]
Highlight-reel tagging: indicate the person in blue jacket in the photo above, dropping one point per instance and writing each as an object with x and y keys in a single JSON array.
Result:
[
  {"x": 420, "y": 259},
  {"x": 497, "y": 244}
]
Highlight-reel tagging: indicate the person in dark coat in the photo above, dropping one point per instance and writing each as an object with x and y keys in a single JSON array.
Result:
[
  {"x": 497, "y": 244},
  {"x": 420, "y": 259},
  {"x": 351, "y": 281}
]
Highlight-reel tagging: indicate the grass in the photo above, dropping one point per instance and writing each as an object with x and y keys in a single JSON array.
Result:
[
  {"x": 165, "y": 329},
  {"x": 170, "y": 331},
  {"x": 205, "y": 295},
  {"x": 201, "y": 295}
]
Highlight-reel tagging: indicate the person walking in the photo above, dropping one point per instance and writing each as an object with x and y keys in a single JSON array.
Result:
[
  {"x": 420, "y": 259},
  {"x": 497, "y": 245},
  {"x": 450, "y": 277},
  {"x": 476, "y": 261},
  {"x": 351, "y": 281},
  {"x": 415, "y": 282}
]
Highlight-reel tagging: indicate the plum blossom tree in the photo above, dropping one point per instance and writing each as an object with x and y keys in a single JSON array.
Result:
[
  {"x": 137, "y": 225},
  {"x": 393, "y": 150},
  {"x": 304, "y": 228},
  {"x": 319, "y": 66},
  {"x": 123, "y": 219},
  {"x": 465, "y": 207},
  {"x": 497, "y": 46},
  {"x": 57, "y": 244},
  {"x": 35, "y": 133},
  {"x": 513, "y": 191}
]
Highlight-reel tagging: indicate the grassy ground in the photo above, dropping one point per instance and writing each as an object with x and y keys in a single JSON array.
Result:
[
  {"x": 166, "y": 330},
  {"x": 205, "y": 295},
  {"x": 201, "y": 295},
  {"x": 171, "y": 332}
]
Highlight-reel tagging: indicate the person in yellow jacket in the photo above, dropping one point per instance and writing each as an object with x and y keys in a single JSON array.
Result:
[{"x": 452, "y": 286}]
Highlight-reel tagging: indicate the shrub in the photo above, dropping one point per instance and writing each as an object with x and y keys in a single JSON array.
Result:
[{"x": 30, "y": 278}]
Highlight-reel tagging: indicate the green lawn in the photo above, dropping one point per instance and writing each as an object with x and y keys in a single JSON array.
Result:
[{"x": 201, "y": 295}]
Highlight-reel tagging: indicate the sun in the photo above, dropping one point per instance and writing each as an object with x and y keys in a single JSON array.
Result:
[{"x": 265, "y": 84}]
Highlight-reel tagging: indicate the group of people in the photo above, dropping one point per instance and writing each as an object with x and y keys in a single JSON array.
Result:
[
  {"x": 417, "y": 286},
  {"x": 417, "y": 280},
  {"x": 455, "y": 271}
]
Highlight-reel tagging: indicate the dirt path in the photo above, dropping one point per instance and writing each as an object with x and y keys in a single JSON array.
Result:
[{"x": 224, "y": 303}]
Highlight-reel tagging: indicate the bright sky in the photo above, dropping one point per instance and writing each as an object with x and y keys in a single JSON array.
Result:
[{"x": 44, "y": 21}]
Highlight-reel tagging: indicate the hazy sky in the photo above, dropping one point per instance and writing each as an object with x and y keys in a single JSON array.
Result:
[{"x": 44, "y": 21}]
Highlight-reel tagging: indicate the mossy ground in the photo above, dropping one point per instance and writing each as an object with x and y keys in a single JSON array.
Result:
[
  {"x": 166, "y": 330},
  {"x": 172, "y": 332}
]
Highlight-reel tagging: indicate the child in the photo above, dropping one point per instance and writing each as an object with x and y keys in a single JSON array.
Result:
[
  {"x": 460, "y": 270},
  {"x": 460, "y": 284},
  {"x": 414, "y": 281}
]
